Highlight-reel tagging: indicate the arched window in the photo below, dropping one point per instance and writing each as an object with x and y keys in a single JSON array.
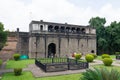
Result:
[
  {"x": 56, "y": 28},
  {"x": 67, "y": 29},
  {"x": 41, "y": 27},
  {"x": 50, "y": 28},
  {"x": 92, "y": 51},
  {"x": 62, "y": 29},
  {"x": 83, "y": 30},
  {"x": 78, "y": 30},
  {"x": 73, "y": 30}
]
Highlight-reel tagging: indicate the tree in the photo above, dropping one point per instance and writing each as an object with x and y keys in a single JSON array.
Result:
[
  {"x": 3, "y": 36},
  {"x": 108, "y": 38},
  {"x": 113, "y": 37},
  {"x": 98, "y": 23}
]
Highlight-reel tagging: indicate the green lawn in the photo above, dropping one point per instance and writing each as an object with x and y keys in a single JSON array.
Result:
[
  {"x": 100, "y": 58},
  {"x": 29, "y": 76},
  {"x": 24, "y": 63},
  {"x": 19, "y": 64},
  {"x": 108, "y": 67}
]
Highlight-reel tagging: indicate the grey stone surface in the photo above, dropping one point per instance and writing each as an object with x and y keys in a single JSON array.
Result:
[{"x": 73, "y": 38}]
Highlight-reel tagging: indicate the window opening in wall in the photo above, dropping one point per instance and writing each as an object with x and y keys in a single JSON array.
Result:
[
  {"x": 50, "y": 28},
  {"x": 92, "y": 51},
  {"x": 67, "y": 29},
  {"x": 78, "y": 30},
  {"x": 62, "y": 29},
  {"x": 41, "y": 27},
  {"x": 73, "y": 30},
  {"x": 83, "y": 30},
  {"x": 56, "y": 28}
]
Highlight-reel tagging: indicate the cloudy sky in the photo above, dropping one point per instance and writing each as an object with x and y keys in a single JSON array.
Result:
[{"x": 18, "y": 13}]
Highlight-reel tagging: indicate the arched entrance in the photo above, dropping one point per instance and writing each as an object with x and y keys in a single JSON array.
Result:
[{"x": 51, "y": 50}]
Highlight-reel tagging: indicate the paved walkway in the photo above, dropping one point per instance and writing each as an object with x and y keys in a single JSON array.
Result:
[
  {"x": 2, "y": 68},
  {"x": 37, "y": 72}
]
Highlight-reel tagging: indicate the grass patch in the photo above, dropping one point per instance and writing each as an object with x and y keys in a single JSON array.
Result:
[
  {"x": 29, "y": 76},
  {"x": 108, "y": 67},
  {"x": 19, "y": 63},
  {"x": 100, "y": 57},
  {"x": 23, "y": 63}
]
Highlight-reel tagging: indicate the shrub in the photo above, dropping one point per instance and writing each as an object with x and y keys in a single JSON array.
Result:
[
  {"x": 0, "y": 62},
  {"x": 16, "y": 56},
  {"x": 100, "y": 74},
  {"x": 105, "y": 56},
  {"x": 89, "y": 58},
  {"x": 107, "y": 61},
  {"x": 78, "y": 56},
  {"x": 17, "y": 71},
  {"x": 94, "y": 55}
]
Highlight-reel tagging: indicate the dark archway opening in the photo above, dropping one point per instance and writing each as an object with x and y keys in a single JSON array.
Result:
[
  {"x": 92, "y": 51},
  {"x": 83, "y": 30},
  {"x": 41, "y": 27},
  {"x": 62, "y": 29},
  {"x": 51, "y": 50},
  {"x": 78, "y": 30},
  {"x": 56, "y": 28},
  {"x": 67, "y": 29},
  {"x": 73, "y": 30},
  {"x": 50, "y": 28}
]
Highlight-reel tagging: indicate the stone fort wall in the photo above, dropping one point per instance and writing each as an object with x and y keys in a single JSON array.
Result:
[
  {"x": 65, "y": 45},
  {"x": 46, "y": 38}
]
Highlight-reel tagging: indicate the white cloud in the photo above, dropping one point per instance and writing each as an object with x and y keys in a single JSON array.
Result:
[
  {"x": 15, "y": 13},
  {"x": 12, "y": 14},
  {"x": 110, "y": 13}
]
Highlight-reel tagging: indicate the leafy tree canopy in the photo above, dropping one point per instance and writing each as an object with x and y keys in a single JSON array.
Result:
[
  {"x": 108, "y": 37},
  {"x": 3, "y": 36}
]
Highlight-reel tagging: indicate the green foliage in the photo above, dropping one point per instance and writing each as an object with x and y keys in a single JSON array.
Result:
[
  {"x": 19, "y": 64},
  {"x": 98, "y": 24},
  {"x": 94, "y": 55},
  {"x": 89, "y": 58},
  {"x": 78, "y": 56},
  {"x": 117, "y": 53},
  {"x": 107, "y": 61},
  {"x": 28, "y": 76},
  {"x": 3, "y": 36},
  {"x": 108, "y": 37},
  {"x": 0, "y": 62},
  {"x": 17, "y": 71},
  {"x": 101, "y": 74},
  {"x": 105, "y": 56},
  {"x": 16, "y": 56},
  {"x": 113, "y": 37}
]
